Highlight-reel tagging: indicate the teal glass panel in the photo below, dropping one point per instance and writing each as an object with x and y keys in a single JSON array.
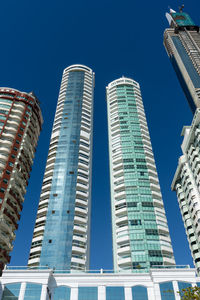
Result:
[
  {"x": 141, "y": 216},
  {"x": 182, "y": 19},
  {"x": 183, "y": 285},
  {"x": 62, "y": 293},
  {"x": 87, "y": 293},
  {"x": 11, "y": 291},
  {"x": 115, "y": 293},
  {"x": 167, "y": 291},
  {"x": 33, "y": 291},
  {"x": 139, "y": 293}
]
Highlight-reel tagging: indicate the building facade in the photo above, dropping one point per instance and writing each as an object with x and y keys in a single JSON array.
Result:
[
  {"x": 158, "y": 284},
  {"x": 182, "y": 43},
  {"x": 20, "y": 126},
  {"x": 139, "y": 226},
  {"x": 186, "y": 183},
  {"x": 61, "y": 238}
]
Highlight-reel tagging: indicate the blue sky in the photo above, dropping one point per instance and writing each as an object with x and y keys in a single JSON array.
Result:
[{"x": 114, "y": 38}]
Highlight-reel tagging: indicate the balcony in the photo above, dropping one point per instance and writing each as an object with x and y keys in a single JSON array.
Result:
[
  {"x": 33, "y": 261},
  {"x": 80, "y": 186},
  {"x": 39, "y": 228},
  {"x": 162, "y": 229},
  {"x": 168, "y": 261},
  {"x": 79, "y": 229},
  {"x": 7, "y": 227},
  {"x": 123, "y": 239},
  {"x": 117, "y": 160},
  {"x": 123, "y": 228},
  {"x": 36, "y": 249},
  {"x": 80, "y": 202},
  {"x": 122, "y": 220},
  {"x": 157, "y": 203},
  {"x": 78, "y": 260},
  {"x": 82, "y": 195},
  {"x": 124, "y": 250},
  {"x": 80, "y": 220},
  {"x": 78, "y": 250},
  {"x": 80, "y": 211},
  {"x": 5, "y": 240},
  {"x": 166, "y": 250},
  {"x": 156, "y": 195},
  {"x": 124, "y": 261},
  {"x": 121, "y": 211}
]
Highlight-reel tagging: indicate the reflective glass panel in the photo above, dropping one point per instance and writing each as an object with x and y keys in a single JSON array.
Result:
[
  {"x": 33, "y": 291},
  {"x": 11, "y": 291},
  {"x": 87, "y": 293},
  {"x": 139, "y": 293},
  {"x": 183, "y": 285},
  {"x": 115, "y": 293},
  {"x": 167, "y": 291},
  {"x": 62, "y": 293}
]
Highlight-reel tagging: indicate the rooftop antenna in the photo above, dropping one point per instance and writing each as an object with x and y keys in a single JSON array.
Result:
[{"x": 181, "y": 8}]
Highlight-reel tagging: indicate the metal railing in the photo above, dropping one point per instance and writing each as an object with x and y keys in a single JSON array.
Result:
[{"x": 99, "y": 271}]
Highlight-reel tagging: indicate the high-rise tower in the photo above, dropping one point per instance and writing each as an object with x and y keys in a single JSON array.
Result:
[
  {"x": 20, "y": 126},
  {"x": 182, "y": 43},
  {"x": 140, "y": 232},
  {"x": 61, "y": 238},
  {"x": 186, "y": 184}
]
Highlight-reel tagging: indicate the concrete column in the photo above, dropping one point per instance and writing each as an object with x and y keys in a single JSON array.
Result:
[
  {"x": 151, "y": 293},
  {"x": 176, "y": 289},
  {"x": 22, "y": 291},
  {"x": 74, "y": 293},
  {"x": 101, "y": 292},
  {"x": 157, "y": 291},
  {"x": 128, "y": 293},
  {"x": 44, "y": 292}
]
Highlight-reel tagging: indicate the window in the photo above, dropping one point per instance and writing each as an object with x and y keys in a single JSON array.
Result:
[
  {"x": 11, "y": 291},
  {"x": 166, "y": 291},
  {"x": 62, "y": 293},
  {"x": 139, "y": 293},
  {"x": 183, "y": 285},
  {"x": 115, "y": 293},
  {"x": 33, "y": 291},
  {"x": 87, "y": 293}
]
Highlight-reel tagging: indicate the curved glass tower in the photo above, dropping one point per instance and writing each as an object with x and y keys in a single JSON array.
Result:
[
  {"x": 62, "y": 229},
  {"x": 140, "y": 232}
]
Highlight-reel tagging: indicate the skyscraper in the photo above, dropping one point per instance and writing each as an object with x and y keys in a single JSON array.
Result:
[
  {"x": 61, "y": 238},
  {"x": 182, "y": 43},
  {"x": 140, "y": 232},
  {"x": 186, "y": 184},
  {"x": 20, "y": 126}
]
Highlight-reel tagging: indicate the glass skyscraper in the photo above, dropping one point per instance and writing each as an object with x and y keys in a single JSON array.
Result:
[
  {"x": 140, "y": 232},
  {"x": 182, "y": 43},
  {"x": 61, "y": 238}
]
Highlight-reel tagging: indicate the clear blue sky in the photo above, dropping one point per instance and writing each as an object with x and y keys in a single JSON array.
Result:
[{"x": 40, "y": 38}]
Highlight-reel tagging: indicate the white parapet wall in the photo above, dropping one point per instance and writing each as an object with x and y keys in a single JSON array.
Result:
[{"x": 46, "y": 284}]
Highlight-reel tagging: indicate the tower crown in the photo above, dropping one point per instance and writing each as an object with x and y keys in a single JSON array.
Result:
[{"x": 181, "y": 21}]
